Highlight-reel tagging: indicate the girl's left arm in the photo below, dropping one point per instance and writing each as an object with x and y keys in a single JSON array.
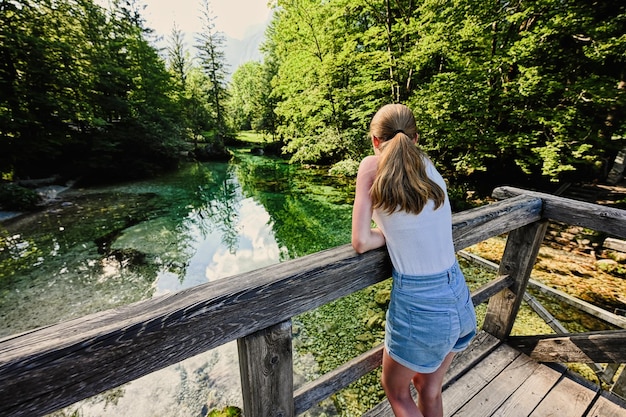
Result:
[{"x": 364, "y": 237}]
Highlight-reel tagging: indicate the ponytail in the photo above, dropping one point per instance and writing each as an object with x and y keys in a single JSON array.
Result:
[{"x": 401, "y": 182}]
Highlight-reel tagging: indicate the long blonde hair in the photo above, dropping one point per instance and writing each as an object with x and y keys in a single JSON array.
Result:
[{"x": 401, "y": 180}]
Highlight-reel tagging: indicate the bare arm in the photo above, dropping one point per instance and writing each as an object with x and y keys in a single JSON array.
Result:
[{"x": 364, "y": 237}]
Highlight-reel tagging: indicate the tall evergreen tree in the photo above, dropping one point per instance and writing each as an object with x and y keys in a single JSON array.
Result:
[
  {"x": 210, "y": 45},
  {"x": 82, "y": 91},
  {"x": 178, "y": 57}
]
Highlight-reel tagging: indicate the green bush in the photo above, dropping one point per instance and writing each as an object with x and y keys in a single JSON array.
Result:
[
  {"x": 16, "y": 198},
  {"x": 345, "y": 168}
]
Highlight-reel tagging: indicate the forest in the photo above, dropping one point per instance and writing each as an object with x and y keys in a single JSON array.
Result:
[{"x": 524, "y": 92}]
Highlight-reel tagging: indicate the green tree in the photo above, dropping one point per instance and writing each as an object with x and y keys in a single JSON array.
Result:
[
  {"x": 82, "y": 91},
  {"x": 210, "y": 44},
  {"x": 309, "y": 80},
  {"x": 520, "y": 89},
  {"x": 530, "y": 89},
  {"x": 245, "y": 95},
  {"x": 178, "y": 57}
]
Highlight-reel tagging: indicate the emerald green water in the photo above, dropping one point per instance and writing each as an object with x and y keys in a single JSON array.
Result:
[{"x": 100, "y": 248}]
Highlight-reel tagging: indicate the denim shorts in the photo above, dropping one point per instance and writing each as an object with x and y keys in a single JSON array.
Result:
[{"x": 429, "y": 316}]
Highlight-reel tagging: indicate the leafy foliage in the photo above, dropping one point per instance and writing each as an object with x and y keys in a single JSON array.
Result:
[
  {"x": 519, "y": 89},
  {"x": 83, "y": 92}
]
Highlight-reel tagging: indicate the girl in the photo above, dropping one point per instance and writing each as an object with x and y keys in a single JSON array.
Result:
[{"x": 430, "y": 315}]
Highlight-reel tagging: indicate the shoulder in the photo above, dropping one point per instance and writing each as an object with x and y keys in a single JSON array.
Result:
[
  {"x": 367, "y": 170},
  {"x": 428, "y": 163},
  {"x": 368, "y": 163}
]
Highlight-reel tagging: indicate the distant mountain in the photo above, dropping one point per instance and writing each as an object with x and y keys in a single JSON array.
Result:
[
  {"x": 236, "y": 51},
  {"x": 240, "y": 51}
]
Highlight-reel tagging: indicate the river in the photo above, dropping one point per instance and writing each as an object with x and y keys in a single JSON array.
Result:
[{"x": 99, "y": 248}]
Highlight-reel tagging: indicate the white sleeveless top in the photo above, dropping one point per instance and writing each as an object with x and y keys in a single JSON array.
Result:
[{"x": 420, "y": 244}]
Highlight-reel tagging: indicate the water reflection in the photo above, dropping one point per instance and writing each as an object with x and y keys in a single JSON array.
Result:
[
  {"x": 100, "y": 248},
  {"x": 218, "y": 254}
]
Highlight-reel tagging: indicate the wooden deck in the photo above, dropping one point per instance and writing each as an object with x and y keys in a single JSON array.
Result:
[{"x": 493, "y": 379}]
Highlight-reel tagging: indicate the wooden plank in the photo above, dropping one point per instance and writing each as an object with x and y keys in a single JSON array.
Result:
[
  {"x": 524, "y": 400},
  {"x": 592, "y": 216},
  {"x": 266, "y": 367},
  {"x": 548, "y": 318},
  {"x": 567, "y": 398},
  {"x": 599, "y": 347},
  {"x": 47, "y": 369},
  {"x": 558, "y": 328},
  {"x": 619, "y": 387},
  {"x": 488, "y": 290},
  {"x": 604, "y": 407},
  {"x": 480, "y": 347},
  {"x": 468, "y": 385},
  {"x": 326, "y": 385},
  {"x": 520, "y": 253},
  {"x": 468, "y": 228},
  {"x": 490, "y": 398},
  {"x": 588, "y": 308}
]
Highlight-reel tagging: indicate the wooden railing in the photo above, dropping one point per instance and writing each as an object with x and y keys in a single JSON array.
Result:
[{"x": 49, "y": 368}]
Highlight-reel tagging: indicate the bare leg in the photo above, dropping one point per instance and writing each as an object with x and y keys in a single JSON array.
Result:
[
  {"x": 396, "y": 380},
  {"x": 428, "y": 387}
]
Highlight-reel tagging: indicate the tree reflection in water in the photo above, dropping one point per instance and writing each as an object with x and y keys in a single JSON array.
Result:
[{"x": 100, "y": 248}]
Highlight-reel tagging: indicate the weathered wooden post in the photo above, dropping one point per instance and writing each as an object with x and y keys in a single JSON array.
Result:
[
  {"x": 266, "y": 367},
  {"x": 519, "y": 257}
]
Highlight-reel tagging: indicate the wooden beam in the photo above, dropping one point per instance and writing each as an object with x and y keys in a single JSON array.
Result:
[
  {"x": 592, "y": 216},
  {"x": 326, "y": 385},
  {"x": 591, "y": 347},
  {"x": 519, "y": 257},
  {"x": 266, "y": 368},
  {"x": 582, "y": 305},
  {"x": 488, "y": 290},
  {"x": 475, "y": 225}
]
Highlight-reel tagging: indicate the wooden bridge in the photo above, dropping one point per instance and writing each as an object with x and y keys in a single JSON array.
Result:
[{"x": 50, "y": 368}]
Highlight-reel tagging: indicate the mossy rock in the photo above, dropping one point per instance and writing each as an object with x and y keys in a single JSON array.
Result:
[{"x": 382, "y": 297}]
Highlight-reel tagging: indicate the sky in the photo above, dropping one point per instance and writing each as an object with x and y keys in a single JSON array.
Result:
[{"x": 232, "y": 17}]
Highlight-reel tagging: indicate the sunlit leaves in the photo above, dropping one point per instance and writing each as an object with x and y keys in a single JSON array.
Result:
[{"x": 503, "y": 87}]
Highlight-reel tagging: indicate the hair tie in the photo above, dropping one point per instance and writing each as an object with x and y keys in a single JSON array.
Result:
[{"x": 393, "y": 135}]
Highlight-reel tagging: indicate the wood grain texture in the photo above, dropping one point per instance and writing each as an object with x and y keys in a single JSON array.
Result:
[
  {"x": 590, "y": 347},
  {"x": 579, "y": 213},
  {"x": 266, "y": 368},
  {"x": 566, "y": 398},
  {"x": 518, "y": 260}
]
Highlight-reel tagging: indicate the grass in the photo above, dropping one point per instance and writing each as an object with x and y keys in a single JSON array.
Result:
[{"x": 252, "y": 137}]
